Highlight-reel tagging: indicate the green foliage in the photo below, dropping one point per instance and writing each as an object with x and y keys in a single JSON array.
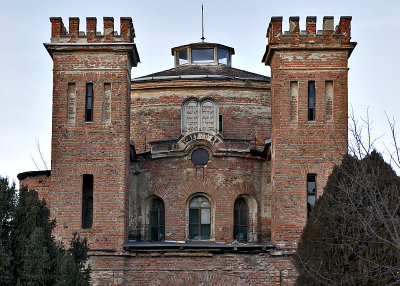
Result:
[
  {"x": 29, "y": 254},
  {"x": 352, "y": 236}
]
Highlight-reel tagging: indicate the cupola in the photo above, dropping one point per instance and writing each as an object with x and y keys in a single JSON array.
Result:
[{"x": 203, "y": 53}]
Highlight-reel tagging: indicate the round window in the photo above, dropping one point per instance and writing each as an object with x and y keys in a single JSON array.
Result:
[{"x": 200, "y": 157}]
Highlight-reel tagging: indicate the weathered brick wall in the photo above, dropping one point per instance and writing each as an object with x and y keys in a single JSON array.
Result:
[
  {"x": 301, "y": 146},
  {"x": 38, "y": 182},
  {"x": 99, "y": 147},
  {"x": 192, "y": 269},
  {"x": 175, "y": 180},
  {"x": 245, "y": 107}
]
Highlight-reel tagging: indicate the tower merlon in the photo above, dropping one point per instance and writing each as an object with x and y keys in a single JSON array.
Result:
[
  {"x": 310, "y": 38},
  {"x": 73, "y": 40},
  {"x": 59, "y": 34}
]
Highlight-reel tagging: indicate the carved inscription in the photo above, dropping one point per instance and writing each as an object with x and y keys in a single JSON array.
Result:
[
  {"x": 199, "y": 115},
  {"x": 208, "y": 116},
  {"x": 192, "y": 116}
]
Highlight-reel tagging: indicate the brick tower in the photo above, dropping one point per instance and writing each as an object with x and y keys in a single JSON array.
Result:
[
  {"x": 309, "y": 116},
  {"x": 90, "y": 136}
]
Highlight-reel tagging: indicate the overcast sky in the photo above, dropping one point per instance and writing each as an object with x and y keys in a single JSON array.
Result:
[{"x": 26, "y": 67}]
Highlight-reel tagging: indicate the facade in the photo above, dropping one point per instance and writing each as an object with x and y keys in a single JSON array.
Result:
[{"x": 202, "y": 174}]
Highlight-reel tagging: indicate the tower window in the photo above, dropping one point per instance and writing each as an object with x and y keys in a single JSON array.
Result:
[
  {"x": 311, "y": 101},
  {"x": 329, "y": 100},
  {"x": 182, "y": 57},
  {"x": 202, "y": 55},
  {"x": 199, "y": 218},
  {"x": 87, "y": 201},
  {"x": 157, "y": 220},
  {"x": 311, "y": 192},
  {"x": 71, "y": 103},
  {"x": 89, "y": 103},
  {"x": 223, "y": 55},
  {"x": 220, "y": 124},
  {"x": 294, "y": 92},
  {"x": 241, "y": 220}
]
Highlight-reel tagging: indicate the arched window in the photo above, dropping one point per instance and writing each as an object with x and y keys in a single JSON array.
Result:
[
  {"x": 241, "y": 220},
  {"x": 157, "y": 220},
  {"x": 199, "y": 218}
]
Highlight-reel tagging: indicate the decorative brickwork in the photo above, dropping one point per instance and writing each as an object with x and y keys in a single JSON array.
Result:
[{"x": 199, "y": 129}]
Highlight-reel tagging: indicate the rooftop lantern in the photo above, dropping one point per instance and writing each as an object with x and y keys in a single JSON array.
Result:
[{"x": 203, "y": 53}]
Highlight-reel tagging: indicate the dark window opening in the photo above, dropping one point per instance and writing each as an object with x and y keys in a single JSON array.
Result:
[
  {"x": 241, "y": 220},
  {"x": 89, "y": 103},
  {"x": 157, "y": 220},
  {"x": 311, "y": 192},
  {"x": 87, "y": 201},
  {"x": 199, "y": 218},
  {"x": 311, "y": 101},
  {"x": 200, "y": 157},
  {"x": 220, "y": 124}
]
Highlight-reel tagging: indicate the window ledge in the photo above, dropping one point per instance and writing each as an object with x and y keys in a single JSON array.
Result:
[{"x": 209, "y": 246}]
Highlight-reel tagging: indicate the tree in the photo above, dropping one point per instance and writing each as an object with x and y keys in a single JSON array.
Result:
[
  {"x": 29, "y": 254},
  {"x": 353, "y": 234}
]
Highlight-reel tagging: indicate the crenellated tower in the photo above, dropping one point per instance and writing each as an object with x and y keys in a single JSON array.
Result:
[
  {"x": 309, "y": 71},
  {"x": 90, "y": 135}
]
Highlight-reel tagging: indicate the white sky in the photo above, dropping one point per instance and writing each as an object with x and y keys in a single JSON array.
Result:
[{"x": 26, "y": 68}]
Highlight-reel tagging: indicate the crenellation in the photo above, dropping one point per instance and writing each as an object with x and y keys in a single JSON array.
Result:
[
  {"x": 59, "y": 34},
  {"x": 341, "y": 32}
]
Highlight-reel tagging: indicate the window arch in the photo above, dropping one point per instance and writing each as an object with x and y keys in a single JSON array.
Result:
[
  {"x": 199, "y": 218},
  {"x": 241, "y": 220},
  {"x": 157, "y": 220}
]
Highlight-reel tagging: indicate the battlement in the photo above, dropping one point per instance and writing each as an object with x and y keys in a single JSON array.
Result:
[
  {"x": 329, "y": 38},
  {"x": 59, "y": 34},
  {"x": 328, "y": 33}
]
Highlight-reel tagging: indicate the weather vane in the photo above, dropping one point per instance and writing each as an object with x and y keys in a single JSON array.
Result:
[{"x": 202, "y": 24}]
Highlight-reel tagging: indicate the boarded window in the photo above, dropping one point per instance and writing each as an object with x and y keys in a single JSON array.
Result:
[
  {"x": 294, "y": 95},
  {"x": 311, "y": 101},
  {"x": 89, "y": 103},
  {"x": 71, "y": 103},
  {"x": 241, "y": 220},
  {"x": 87, "y": 201},
  {"x": 199, "y": 218},
  {"x": 311, "y": 192},
  {"x": 157, "y": 220},
  {"x": 329, "y": 100},
  {"x": 107, "y": 103}
]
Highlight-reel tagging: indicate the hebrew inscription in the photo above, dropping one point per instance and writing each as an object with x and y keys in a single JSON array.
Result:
[{"x": 199, "y": 115}]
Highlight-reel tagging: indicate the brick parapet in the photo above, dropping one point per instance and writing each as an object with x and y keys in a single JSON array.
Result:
[
  {"x": 328, "y": 38},
  {"x": 59, "y": 34}
]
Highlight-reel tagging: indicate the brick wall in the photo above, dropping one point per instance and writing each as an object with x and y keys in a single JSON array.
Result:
[
  {"x": 99, "y": 147},
  {"x": 301, "y": 147},
  {"x": 192, "y": 268}
]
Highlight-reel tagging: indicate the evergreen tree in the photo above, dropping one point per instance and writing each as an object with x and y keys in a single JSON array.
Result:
[
  {"x": 353, "y": 234},
  {"x": 29, "y": 255}
]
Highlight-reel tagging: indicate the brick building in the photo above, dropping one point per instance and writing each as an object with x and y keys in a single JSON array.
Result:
[{"x": 202, "y": 174}]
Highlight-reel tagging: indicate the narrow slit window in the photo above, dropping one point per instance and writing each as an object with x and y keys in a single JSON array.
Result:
[
  {"x": 87, "y": 201},
  {"x": 241, "y": 220},
  {"x": 311, "y": 101},
  {"x": 329, "y": 100},
  {"x": 199, "y": 218},
  {"x": 107, "y": 103},
  {"x": 89, "y": 103},
  {"x": 71, "y": 109},
  {"x": 220, "y": 124},
  {"x": 157, "y": 220},
  {"x": 294, "y": 93},
  {"x": 311, "y": 192}
]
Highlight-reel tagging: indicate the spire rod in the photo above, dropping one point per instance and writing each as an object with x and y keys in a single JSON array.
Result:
[{"x": 202, "y": 24}]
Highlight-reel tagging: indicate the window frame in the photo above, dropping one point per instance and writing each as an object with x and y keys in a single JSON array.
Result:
[
  {"x": 89, "y": 115},
  {"x": 160, "y": 227},
  {"x": 311, "y": 193},
  {"x": 199, "y": 225},
  {"x": 237, "y": 215},
  {"x": 311, "y": 106}
]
